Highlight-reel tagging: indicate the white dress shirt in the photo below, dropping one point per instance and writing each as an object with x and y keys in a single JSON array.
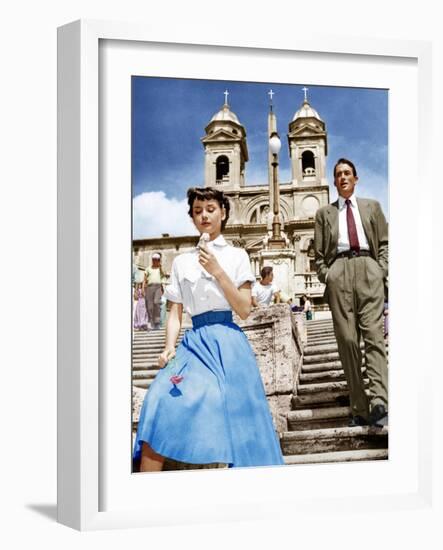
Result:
[
  {"x": 343, "y": 235},
  {"x": 264, "y": 293},
  {"x": 199, "y": 291}
]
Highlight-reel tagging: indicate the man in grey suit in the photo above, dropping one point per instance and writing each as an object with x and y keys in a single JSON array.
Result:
[{"x": 351, "y": 252}]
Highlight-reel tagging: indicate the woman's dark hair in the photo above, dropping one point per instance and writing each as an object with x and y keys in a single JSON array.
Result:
[
  {"x": 208, "y": 194},
  {"x": 266, "y": 271},
  {"x": 346, "y": 161}
]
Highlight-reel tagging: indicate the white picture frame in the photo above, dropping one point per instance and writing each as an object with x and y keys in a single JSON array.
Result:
[{"x": 85, "y": 383}]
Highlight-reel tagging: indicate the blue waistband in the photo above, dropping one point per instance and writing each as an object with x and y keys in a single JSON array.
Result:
[{"x": 211, "y": 317}]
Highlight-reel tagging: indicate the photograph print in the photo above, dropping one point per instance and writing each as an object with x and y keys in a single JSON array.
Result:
[{"x": 259, "y": 274}]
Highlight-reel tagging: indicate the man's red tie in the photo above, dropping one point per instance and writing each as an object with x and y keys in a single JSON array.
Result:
[{"x": 352, "y": 228}]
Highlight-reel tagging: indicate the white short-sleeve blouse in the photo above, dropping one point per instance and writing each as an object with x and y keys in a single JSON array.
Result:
[{"x": 199, "y": 291}]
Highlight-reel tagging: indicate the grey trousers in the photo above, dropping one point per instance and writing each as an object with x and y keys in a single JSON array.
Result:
[
  {"x": 355, "y": 291},
  {"x": 153, "y": 295}
]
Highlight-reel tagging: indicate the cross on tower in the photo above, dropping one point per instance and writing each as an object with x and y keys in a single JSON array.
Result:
[
  {"x": 306, "y": 95},
  {"x": 270, "y": 94},
  {"x": 226, "y": 93}
]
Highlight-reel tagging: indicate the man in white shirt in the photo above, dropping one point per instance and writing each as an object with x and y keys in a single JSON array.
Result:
[
  {"x": 351, "y": 253},
  {"x": 265, "y": 292}
]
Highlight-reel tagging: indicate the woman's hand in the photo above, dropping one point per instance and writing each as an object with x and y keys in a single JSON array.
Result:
[
  {"x": 165, "y": 357},
  {"x": 209, "y": 262}
]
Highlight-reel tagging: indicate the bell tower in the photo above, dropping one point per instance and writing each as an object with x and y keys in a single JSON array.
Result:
[
  {"x": 226, "y": 151},
  {"x": 308, "y": 146}
]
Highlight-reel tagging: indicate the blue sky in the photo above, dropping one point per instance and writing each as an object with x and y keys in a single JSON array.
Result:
[{"x": 168, "y": 121}]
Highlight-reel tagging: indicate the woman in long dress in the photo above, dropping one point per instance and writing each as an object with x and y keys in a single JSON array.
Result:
[
  {"x": 140, "y": 313},
  {"x": 207, "y": 403}
]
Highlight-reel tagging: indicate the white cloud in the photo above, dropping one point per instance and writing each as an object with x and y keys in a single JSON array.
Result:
[{"x": 154, "y": 213}]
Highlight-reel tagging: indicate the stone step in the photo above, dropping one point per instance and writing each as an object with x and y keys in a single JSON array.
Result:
[
  {"x": 321, "y": 343},
  {"x": 324, "y": 343},
  {"x": 146, "y": 366},
  {"x": 151, "y": 342},
  {"x": 319, "y": 333},
  {"x": 311, "y": 419},
  {"x": 324, "y": 387},
  {"x": 303, "y": 415},
  {"x": 140, "y": 360},
  {"x": 148, "y": 352},
  {"x": 315, "y": 322},
  {"x": 321, "y": 337},
  {"x": 320, "y": 329},
  {"x": 145, "y": 341},
  {"x": 323, "y": 349},
  {"x": 144, "y": 374},
  {"x": 148, "y": 344},
  {"x": 149, "y": 368},
  {"x": 321, "y": 399},
  {"x": 143, "y": 383},
  {"x": 330, "y": 375},
  {"x": 327, "y": 357},
  {"x": 151, "y": 333},
  {"x": 320, "y": 358},
  {"x": 320, "y": 349},
  {"x": 333, "y": 439},
  {"x": 143, "y": 335},
  {"x": 142, "y": 341},
  {"x": 155, "y": 335},
  {"x": 337, "y": 456},
  {"x": 142, "y": 365},
  {"x": 330, "y": 341},
  {"x": 325, "y": 367},
  {"x": 148, "y": 356},
  {"x": 321, "y": 367}
]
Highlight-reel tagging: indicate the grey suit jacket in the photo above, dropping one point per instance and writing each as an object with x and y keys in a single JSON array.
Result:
[{"x": 326, "y": 234}]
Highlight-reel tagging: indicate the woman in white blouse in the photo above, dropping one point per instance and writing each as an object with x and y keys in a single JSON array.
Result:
[{"x": 207, "y": 403}]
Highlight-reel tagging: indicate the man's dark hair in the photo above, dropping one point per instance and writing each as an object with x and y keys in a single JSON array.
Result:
[
  {"x": 346, "y": 161},
  {"x": 208, "y": 194},
  {"x": 266, "y": 271}
]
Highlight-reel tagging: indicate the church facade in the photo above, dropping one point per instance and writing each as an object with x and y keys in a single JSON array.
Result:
[{"x": 225, "y": 152}]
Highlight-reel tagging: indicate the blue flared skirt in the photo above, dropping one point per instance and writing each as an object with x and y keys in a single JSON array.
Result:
[{"x": 216, "y": 411}]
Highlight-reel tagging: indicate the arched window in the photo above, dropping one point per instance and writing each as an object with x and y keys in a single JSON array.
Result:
[
  {"x": 222, "y": 166},
  {"x": 308, "y": 163},
  {"x": 311, "y": 256}
]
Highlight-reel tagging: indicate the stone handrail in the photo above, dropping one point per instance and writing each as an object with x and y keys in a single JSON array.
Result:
[{"x": 277, "y": 337}]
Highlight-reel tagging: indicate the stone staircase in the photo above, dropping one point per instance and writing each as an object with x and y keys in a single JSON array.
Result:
[
  {"x": 318, "y": 429},
  {"x": 146, "y": 347},
  {"x": 318, "y": 422}
]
